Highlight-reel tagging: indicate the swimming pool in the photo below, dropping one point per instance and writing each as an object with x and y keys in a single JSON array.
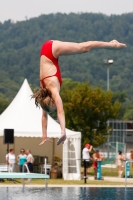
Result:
[{"x": 64, "y": 193}]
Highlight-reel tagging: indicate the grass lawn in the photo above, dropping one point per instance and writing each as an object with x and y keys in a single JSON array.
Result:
[
  {"x": 107, "y": 171},
  {"x": 67, "y": 182}
]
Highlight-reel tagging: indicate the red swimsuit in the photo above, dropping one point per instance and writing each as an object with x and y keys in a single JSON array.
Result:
[{"x": 47, "y": 51}]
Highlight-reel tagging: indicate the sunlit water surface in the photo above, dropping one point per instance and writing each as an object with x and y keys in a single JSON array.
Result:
[{"x": 64, "y": 193}]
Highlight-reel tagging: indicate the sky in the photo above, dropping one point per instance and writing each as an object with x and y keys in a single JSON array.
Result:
[{"x": 17, "y": 10}]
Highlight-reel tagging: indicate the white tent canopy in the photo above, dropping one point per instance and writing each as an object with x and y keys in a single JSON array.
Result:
[{"x": 23, "y": 116}]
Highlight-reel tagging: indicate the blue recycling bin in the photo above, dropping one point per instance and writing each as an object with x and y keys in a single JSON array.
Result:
[
  {"x": 127, "y": 170},
  {"x": 99, "y": 171}
]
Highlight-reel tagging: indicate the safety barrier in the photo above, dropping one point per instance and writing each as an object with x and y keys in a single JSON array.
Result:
[{"x": 127, "y": 170}]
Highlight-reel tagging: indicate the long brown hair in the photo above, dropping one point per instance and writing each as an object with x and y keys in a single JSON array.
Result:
[
  {"x": 40, "y": 95},
  {"x": 43, "y": 98}
]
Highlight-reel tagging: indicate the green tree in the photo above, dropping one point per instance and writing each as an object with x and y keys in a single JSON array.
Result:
[
  {"x": 68, "y": 84},
  {"x": 87, "y": 110},
  {"x": 3, "y": 104},
  {"x": 121, "y": 97},
  {"x": 128, "y": 115}
]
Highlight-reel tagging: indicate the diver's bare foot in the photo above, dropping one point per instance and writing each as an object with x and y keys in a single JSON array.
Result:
[
  {"x": 61, "y": 139},
  {"x": 118, "y": 45},
  {"x": 45, "y": 140}
]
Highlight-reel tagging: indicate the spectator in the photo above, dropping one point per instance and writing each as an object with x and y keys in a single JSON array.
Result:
[
  {"x": 30, "y": 160},
  {"x": 11, "y": 160},
  {"x": 120, "y": 158},
  {"x": 86, "y": 157},
  {"x": 97, "y": 157},
  {"x": 22, "y": 158}
]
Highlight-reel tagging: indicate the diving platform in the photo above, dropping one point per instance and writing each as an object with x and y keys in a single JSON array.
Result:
[{"x": 16, "y": 175}]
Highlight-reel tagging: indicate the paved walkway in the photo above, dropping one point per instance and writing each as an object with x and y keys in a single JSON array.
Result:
[
  {"x": 49, "y": 185},
  {"x": 115, "y": 179},
  {"x": 43, "y": 186}
]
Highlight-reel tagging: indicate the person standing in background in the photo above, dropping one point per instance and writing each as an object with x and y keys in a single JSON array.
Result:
[
  {"x": 22, "y": 158},
  {"x": 97, "y": 157},
  {"x": 120, "y": 158},
  {"x": 11, "y": 160},
  {"x": 30, "y": 160},
  {"x": 131, "y": 157},
  {"x": 86, "y": 156}
]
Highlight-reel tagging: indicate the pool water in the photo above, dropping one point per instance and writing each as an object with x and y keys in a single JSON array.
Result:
[{"x": 64, "y": 193}]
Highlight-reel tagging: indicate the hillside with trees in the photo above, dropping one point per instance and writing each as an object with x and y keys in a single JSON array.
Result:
[{"x": 20, "y": 45}]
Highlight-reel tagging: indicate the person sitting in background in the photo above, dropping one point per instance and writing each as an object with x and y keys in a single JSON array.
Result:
[
  {"x": 22, "y": 158},
  {"x": 86, "y": 157},
  {"x": 96, "y": 157},
  {"x": 120, "y": 158},
  {"x": 11, "y": 160},
  {"x": 30, "y": 160}
]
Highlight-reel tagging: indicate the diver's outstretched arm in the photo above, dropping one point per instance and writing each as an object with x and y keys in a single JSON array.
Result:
[{"x": 44, "y": 128}]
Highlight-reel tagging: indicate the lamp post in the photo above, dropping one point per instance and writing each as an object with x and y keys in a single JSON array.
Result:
[{"x": 108, "y": 63}]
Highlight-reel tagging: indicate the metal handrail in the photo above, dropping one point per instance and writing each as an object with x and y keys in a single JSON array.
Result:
[
  {"x": 127, "y": 161},
  {"x": 26, "y": 168},
  {"x": 24, "y": 182}
]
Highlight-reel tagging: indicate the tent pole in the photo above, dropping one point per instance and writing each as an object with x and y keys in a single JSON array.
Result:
[{"x": 53, "y": 150}]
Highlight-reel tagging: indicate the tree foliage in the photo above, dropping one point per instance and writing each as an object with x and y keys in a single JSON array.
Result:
[
  {"x": 20, "y": 45},
  {"x": 3, "y": 104},
  {"x": 87, "y": 110},
  {"x": 128, "y": 114}
]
